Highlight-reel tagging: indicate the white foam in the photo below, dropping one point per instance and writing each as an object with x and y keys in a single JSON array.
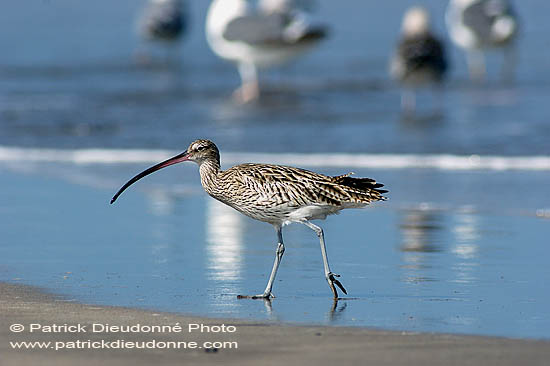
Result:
[
  {"x": 81, "y": 156},
  {"x": 375, "y": 161}
]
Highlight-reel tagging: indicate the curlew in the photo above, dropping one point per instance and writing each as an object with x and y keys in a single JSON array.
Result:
[{"x": 275, "y": 194}]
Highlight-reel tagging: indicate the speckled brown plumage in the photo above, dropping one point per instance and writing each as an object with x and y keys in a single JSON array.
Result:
[
  {"x": 276, "y": 194},
  {"x": 272, "y": 193}
]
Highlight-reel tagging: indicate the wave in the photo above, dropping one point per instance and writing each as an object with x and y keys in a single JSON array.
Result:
[{"x": 377, "y": 161}]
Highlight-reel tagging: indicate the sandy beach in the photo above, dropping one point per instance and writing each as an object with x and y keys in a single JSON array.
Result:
[{"x": 74, "y": 333}]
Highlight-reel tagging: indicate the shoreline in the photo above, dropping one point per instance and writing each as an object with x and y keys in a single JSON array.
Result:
[{"x": 206, "y": 341}]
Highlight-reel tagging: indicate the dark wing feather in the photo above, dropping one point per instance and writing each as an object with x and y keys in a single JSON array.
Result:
[
  {"x": 363, "y": 189},
  {"x": 424, "y": 51},
  {"x": 164, "y": 21}
]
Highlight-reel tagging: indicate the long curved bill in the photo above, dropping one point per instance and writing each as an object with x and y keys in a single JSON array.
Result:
[{"x": 184, "y": 156}]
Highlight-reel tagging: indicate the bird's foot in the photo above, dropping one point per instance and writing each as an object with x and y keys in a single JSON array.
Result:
[
  {"x": 143, "y": 58},
  {"x": 264, "y": 296},
  {"x": 246, "y": 93},
  {"x": 333, "y": 281}
]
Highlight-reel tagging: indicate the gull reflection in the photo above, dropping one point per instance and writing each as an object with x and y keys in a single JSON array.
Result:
[
  {"x": 224, "y": 247},
  {"x": 466, "y": 248},
  {"x": 421, "y": 230},
  {"x": 467, "y": 234}
]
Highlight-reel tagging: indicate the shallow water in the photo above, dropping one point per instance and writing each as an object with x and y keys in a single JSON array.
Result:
[
  {"x": 460, "y": 247},
  {"x": 445, "y": 254}
]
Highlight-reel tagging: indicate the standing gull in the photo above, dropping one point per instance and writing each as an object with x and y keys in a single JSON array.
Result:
[
  {"x": 163, "y": 21},
  {"x": 275, "y": 194},
  {"x": 480, "y": 25},
  {"x": 254, "y": 40},
  {"x": 419, "y": 58}
]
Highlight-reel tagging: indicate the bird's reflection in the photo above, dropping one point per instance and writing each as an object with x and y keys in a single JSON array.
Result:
[
  {"x": 421, "y": 234},
  {"x": 335, "y": 312},
  {"x": 224, "y": 246},
  {"x": 333, "y": 315},
  {"x": 161, "y": 205},
  {"x": 421, "y": 229},
  {"x": 425, "y": 120},
  {"x": 466, "y": 248},
  {"x": 269, "y": 308},
  {"x": 424, "y": 231},
  {"x": 466, "y": 231}
]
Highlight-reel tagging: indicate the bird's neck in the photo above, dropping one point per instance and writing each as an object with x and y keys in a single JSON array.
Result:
[
  {"x": 221, "y": 12},
  {"x": 209, "y": 171}
]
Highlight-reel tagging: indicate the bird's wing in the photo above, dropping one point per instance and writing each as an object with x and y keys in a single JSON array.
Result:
[
  {"x": 271, "y": 29},
  {"x": 276, "y": 185},
  {"x": 482, "y": 16},
  {"x": 163, "y": 19},
  {"x": 281, "y": 185},
  {"x": 255, "y": 29},
  {"x": 418, "y": 52}
]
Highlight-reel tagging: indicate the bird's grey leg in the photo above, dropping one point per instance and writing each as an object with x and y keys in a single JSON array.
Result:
[
  {"x": 173, "y": 50},
  {"x": 509, "y": 63},
  {"x": 278, "y": 256},
  {"x": 438, "y": 93},
  {"x": 408, "y": 101},
  {"x": 476, "y": 65},
  {"x": 249, "y": 89},
  {"x": 142, "y": 54},
  {"x": 328, "y": 273}
]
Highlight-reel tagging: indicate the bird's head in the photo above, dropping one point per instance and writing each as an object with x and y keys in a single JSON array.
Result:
[
  {"x": 416, "y": 21},
  {"x": 199, "y": 151}
]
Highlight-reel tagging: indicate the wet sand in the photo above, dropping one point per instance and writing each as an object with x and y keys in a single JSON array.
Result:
[{"x": 258, "y": 343}]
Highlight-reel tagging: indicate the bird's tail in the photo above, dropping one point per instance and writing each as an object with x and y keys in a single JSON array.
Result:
[
  {"x": 363, "y": 190},
  {"x": 302, "y": 29}
]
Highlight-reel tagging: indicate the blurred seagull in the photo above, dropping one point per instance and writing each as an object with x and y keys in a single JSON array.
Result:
[
  {"x": 163, "y": 21},
  {"x": 479, "y": 25},
  {"x": 419, "y": 58},
  {"x": 255, "y": 39},
  {"x": 286, "y": 6}
]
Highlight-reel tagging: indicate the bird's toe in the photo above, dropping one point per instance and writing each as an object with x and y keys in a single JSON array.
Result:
[
  {"x": 333, "y": 281},
  {"x": 265, "y": 296}
]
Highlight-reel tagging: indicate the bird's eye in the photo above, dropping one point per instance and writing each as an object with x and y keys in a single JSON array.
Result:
[{"x": 200, "y": 148}]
